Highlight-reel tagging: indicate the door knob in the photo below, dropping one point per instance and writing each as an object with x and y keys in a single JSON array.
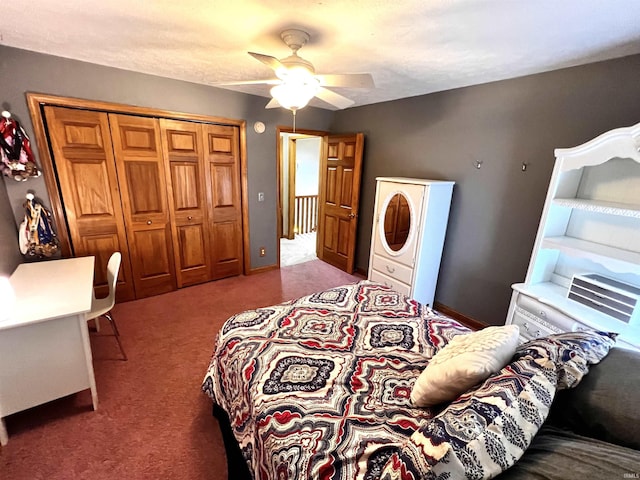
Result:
[
  {"x": 149, "y": 222},
  {"x": 352, "y": 215},
  {"x": 189, "y": 217}
]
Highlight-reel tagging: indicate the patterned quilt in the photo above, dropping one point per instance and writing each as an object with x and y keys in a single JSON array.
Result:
[{"x": 319, "y": 387}]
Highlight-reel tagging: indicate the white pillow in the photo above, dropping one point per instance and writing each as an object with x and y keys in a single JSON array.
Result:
[{"x": 464, "y": 362}]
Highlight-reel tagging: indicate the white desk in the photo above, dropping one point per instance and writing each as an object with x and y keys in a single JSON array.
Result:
[{"x": 44, "y": 346}]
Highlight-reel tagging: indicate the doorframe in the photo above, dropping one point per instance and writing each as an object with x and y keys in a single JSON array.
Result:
[
  {"x": 286, "y": 129},
  {"x": 291, "y": 166},
  {"x": 37, "y": 101},
  {"x": 291, "y": 188}
]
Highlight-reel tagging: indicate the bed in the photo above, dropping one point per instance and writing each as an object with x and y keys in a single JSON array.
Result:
[{"x": 319, "y": 388}]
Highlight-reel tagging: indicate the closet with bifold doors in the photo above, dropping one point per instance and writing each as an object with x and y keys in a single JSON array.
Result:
[{"x": 164, "y": 192}]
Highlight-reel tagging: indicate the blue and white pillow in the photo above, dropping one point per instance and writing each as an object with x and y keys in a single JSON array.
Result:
[
  {"x": 487, "y": 430},
  {"x": 572, "y": 353}
]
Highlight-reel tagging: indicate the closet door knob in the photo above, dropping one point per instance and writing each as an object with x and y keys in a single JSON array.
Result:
[
  {"x": 352, "y": 215},
  {"x": 149, "y": 222}
]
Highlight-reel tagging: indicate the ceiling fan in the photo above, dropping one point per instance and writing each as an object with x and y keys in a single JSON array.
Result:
[{"x": 297, "y": 83}]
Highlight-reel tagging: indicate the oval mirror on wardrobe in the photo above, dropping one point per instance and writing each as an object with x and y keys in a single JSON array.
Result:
[{"x": 397, "y": 222}]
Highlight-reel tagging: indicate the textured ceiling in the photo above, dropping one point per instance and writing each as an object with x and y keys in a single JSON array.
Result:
[{"x": 411, "y": 47}]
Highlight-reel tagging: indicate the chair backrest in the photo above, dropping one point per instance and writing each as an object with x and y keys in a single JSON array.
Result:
[{"x": 113, "y": 267}]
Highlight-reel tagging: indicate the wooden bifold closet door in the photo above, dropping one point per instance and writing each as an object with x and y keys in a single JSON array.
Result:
[
  {"x": 86, "y": 171},
  {"x": 166, "y": 193},
  {"x": 141, "y": 177},
  {"x": 223, "y": 189},
  {"x": 184, "y": 152}
]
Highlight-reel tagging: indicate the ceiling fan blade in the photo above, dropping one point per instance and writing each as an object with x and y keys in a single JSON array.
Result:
[
  {"x": 334, "y": 98},
  {"x": 266, "y": 81},
  {"x": 268, "y": 60},
  {"x": 355, "y": 80},
  {"x": 273, "y": 104}
]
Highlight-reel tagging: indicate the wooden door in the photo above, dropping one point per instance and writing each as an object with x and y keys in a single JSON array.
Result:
[
  {"x": 86, "y": 172},
  {"x": 141, "y": 176},
  {"x": 222, "y": 173},
  {"x": 340, "y": 170},
  {"x": 182, "y": 145}
]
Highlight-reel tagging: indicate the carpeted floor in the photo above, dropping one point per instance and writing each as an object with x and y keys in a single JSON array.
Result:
[
  {"x": 299, "y": 250},
  {"x": 153, "y": 422}
]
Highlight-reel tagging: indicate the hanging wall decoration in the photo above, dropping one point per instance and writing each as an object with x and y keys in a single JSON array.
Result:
[
  {"x": 17, "y": 157},
  {"x": 36, "y": 234}
]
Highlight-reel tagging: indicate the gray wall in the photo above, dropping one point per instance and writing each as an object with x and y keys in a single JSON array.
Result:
[
  {"x": 495, "y": 209},
  {"x": 9, "y": 249},
  {"x": 22, "y": 71}
]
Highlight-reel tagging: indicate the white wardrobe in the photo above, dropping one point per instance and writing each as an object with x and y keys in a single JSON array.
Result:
[
  {"x": 409, "y": 226},
  {"x": 584, "y": 271}
]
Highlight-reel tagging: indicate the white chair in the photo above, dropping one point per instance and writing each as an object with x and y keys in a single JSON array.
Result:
[{"x": 101, "y": 307}]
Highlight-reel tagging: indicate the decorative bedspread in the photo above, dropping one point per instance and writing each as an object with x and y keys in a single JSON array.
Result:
[{"x": 319, "y": 387}]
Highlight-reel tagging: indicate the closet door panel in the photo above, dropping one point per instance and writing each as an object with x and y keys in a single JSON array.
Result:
[
  {"x": 145, "y": 193},
  {"x": 191, "y": 246},
  {"x": 223, "y": 187},
  {"x": 138, "y": 153},
  {"x": 185, "y": 179},
  {"x": 223, "y": 190},
  {"x": 226, "y": 232},
  {"x": 152, "y": 268},
  {"x": 86, "y": 171},
  {"x": 104, "y": 244},
  {"x": 92, "y": 194},
  {"x": 182, "y": 144}
]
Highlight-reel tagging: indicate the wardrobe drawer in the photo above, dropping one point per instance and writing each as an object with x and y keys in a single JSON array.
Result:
[
  {"x": 390, "y": 282},
  {"x": 392, "y": 269},
  {"x": 547, "y": 314}
]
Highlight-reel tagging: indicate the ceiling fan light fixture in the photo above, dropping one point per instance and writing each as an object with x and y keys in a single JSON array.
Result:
[
  {"x": 295, "y": 95},
  {"x": 297, "y": 83},
  {"x": 295, "y": 71}
]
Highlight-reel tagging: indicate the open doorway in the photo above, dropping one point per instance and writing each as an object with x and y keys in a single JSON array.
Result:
[
  {"x": 299, "y": 180},
  {"x": 335, "y": 213}
]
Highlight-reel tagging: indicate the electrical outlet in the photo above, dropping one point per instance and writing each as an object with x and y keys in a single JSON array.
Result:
[
  {"x": 263, "y": 251},
  {"x": 261, "y": 196}
]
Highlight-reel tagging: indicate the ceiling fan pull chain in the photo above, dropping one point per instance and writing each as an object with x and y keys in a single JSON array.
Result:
[{"x": 294, "y": 120}]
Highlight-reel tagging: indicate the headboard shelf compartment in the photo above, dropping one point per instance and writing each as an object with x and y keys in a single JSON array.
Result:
[
  {"x": 590, "y": 224},
  {"x": 608, "y": 208}
]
